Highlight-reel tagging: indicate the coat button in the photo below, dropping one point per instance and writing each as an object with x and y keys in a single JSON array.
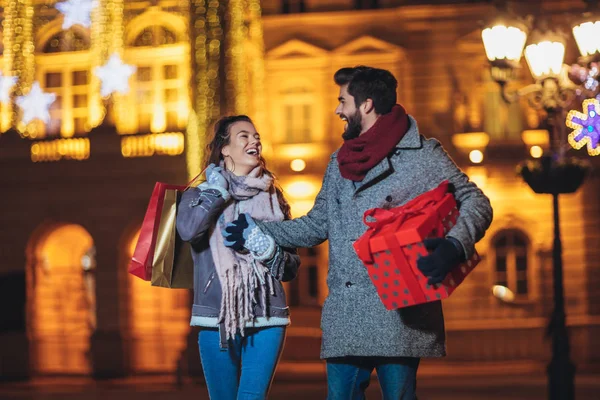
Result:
[
  {"x": 388, "y": 198},
  {"x": 348, "y": 284}
]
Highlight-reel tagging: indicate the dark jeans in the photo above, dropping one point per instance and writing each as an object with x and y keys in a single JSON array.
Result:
[
  {"x": 348, "y": 377},
  {"x": 244, "y": 370}
]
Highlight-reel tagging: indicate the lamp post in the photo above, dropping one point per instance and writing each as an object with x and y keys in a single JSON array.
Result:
[{"x": 505, "y": 42}]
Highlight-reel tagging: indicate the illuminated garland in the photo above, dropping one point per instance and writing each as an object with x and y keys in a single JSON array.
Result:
[
  {"x": 198, "y": 116},
  {"x": 235, "y": 77},
  {"x": 214, "y": 36},
  {"x": 257, "y": 65},
  {"x": 99, "y": 53},
  {"x": 18, "y": 57},
  {"x": 207, "y": 41},
  {"x": 106, "y": 39},
  {"x": 206, "y": 33},
  {"x": 115, "y": 34}
]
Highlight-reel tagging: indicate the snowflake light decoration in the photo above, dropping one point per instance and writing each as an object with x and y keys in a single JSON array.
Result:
[
  {"x": 76, "y": 12},
  {"x": 6, "y": 84},
  {"x": 586, "y": 127},
  {"x": 114, "y": 76}
]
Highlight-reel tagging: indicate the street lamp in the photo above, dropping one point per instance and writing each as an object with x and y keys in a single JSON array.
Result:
[{"x": 556, "y": 86}]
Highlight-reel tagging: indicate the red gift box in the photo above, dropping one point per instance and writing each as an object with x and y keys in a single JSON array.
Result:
[{"x": 389, "y": 249}]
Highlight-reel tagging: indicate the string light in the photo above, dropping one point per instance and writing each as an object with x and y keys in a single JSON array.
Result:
[
  {"x": 106, "y": 40},
  {"x": 214, "y": 37},
  {"x": 257, "y": 64},
  {"x": 235, "y": 77},
  {"x": 6, "y": 84},
  {"x": 18, "y": 53},
  {"x": 207, "y": 33},
  {"x": 198, "y": 117},
  {"x": 115, "y": 33},
  {"x": 98, "y": 53}
]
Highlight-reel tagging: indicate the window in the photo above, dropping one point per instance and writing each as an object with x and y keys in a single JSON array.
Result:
[
  {"x": 503, "y": 122},
  {"x": 366, "y": 4},
  {"x": 158, "y": 97},
  {"x": 155, "y": 35},
  {"x": 63, "y": 68},
  {"x": 304, "y": 290},
  {"x": 293, "y": 6},
  {"x": 159, "y": 92},
  {"x": 297, "y": 123},
  {"x": 298, "y": 115},
  {"x": 69, "y": 112},
  {"x": 511, "y": 249}
]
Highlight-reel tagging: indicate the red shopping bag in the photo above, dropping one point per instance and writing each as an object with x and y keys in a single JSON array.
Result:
[
  {"x": 141, "y": 261},
  {"x": 143, "y": 255}
]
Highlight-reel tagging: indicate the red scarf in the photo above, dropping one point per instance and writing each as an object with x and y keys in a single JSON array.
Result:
[{"x": 357, "y": 156}]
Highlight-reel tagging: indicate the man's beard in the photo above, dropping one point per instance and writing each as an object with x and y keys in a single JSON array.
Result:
[{"x": 354, "y": 126}]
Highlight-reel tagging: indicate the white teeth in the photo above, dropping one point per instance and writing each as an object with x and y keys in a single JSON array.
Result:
[{"x": 252, "y": 152}]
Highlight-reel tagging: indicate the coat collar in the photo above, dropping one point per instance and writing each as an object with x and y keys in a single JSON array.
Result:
[
  {"x": 378, "y": 172},
  {"x": 411, "y": 140}
]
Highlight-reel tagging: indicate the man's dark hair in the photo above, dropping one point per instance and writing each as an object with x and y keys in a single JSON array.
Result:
[{"x": 365, "y": 83}]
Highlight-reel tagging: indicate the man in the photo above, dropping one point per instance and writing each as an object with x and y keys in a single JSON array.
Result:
[{"x": 384, "y": 162}]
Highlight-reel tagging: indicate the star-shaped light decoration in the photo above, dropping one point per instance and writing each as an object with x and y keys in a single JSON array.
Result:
[
  {"x": 35, "y": 104},
  {"x": 114, "y": 76},
  {"x": 76, "y": 12},
  {"x": 586, "y": 127},
  {"x": 6, "y": 84}
]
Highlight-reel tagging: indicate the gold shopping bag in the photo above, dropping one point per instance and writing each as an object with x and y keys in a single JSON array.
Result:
[{"x": 172, "y": 266}]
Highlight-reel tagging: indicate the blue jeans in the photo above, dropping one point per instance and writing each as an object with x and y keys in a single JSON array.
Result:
[
  {"x": 245, "y": 369},
  {"x": 349, "y": 377}
]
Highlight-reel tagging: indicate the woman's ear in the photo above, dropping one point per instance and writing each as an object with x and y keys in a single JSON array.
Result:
[{"x": 225, "y": 151}]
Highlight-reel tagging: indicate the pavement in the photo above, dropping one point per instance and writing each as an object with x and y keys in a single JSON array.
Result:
[{"x": 295, "y": 382}]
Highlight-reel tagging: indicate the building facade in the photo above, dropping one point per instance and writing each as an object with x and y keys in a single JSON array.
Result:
[{"x": 75, "y": 196}]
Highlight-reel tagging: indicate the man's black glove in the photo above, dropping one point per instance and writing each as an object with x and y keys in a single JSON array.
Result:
[
  {"x": 235, "y": 233},
  {"x": 445, "y": 254}
]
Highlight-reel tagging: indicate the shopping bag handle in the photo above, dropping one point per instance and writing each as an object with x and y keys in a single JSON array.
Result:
[{"x": 194, "y": 180}]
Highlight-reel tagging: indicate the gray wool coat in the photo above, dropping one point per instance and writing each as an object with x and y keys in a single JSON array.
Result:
[{"x": 354, "y": 321}]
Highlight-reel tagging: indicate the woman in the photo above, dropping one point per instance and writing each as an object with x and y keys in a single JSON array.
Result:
[{"x": 239, "y": 301}]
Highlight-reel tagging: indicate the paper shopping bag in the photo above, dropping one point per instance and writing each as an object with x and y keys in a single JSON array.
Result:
[{"x": 172, "y": 264}]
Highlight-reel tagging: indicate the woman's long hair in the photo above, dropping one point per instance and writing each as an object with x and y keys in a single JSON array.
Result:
[{"x": 222, "y": 137}]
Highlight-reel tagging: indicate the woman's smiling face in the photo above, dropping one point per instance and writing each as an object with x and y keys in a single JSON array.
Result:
[{"x": 244, "y": 150}]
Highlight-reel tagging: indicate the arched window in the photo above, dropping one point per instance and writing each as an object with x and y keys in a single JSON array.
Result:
[
  {"x": 159, "y": 95},
  {"x": 63, "y": 41},
  {"x": 63, "y": 68},
  {"x": 511, "y": 248},
  {"x": 155, "y": 35}
]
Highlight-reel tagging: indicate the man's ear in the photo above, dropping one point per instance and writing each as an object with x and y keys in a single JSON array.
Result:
[{"x": 367, "y": 106}]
